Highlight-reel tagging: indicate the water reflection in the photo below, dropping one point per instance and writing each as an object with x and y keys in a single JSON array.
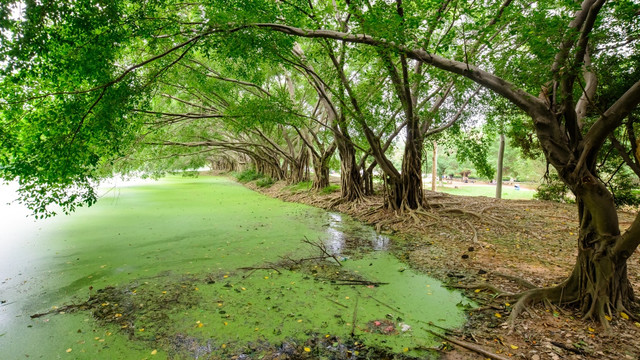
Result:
[{"x": 345, "y": 235}]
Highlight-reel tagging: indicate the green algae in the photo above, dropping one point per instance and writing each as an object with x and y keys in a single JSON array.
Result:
[{"x": 159, "y": 263}]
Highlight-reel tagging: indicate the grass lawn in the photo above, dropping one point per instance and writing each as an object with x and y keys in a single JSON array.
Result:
[{"x": 508, "y": 192}]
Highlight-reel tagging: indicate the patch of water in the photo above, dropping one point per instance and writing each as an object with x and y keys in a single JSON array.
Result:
[{"x": 189, "y": 237}]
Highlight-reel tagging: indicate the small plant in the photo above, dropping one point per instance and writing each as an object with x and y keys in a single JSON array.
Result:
[
  {"x": 301, "y": 186},
  {"x": 265, "y": 182},
  {"x": 248, "y": 175},
  {"x": 554, "y": 190},
  {"x": 329, "y": 189}
]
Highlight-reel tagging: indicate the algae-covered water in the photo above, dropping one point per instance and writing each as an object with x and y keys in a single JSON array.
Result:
[{"x": 205, "y": 268}]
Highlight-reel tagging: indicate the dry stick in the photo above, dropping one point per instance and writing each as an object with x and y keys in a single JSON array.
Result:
[
  {"x": 260, "y": 268},
  {"x": 468, "y": 346},
  {"x": 335, "y": 302},
  {"x": 355, "y": 317},
  {"x": 568, "y": 348},
  {"x": 385, "y": 305},
  {"x": 365, "y": 283},
  {"x": 323, "y": 249}
]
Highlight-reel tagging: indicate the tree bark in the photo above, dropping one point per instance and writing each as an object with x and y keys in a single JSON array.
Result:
[
  {"x": 500, "y": 164},
  {"x": 434, "y": 167}
]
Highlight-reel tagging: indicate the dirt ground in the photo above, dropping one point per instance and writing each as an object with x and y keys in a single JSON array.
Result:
[{"x": 489, "y": 247}]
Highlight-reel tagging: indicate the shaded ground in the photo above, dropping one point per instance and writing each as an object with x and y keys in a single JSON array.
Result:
[{"x": 491, "y": 247}]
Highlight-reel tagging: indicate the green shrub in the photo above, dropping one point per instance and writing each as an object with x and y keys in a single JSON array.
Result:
[
  {"x": 554, "y": 190},
  {"x": 301, "y": 186},
  {"x": 248, "y": 175},
  {"x": 329, "y": 189},
  {"x": 265, "y": 182}
]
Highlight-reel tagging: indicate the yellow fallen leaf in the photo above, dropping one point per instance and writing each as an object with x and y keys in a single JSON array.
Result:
[
  {"x": 243, "y": 288},
  {"x": 154, "y": 352},
  {"x": 300, "y": 320},
  {"x": 307, "y": 349},
  {"x": 624, "y": 316},
  {"x": 607, "y": 317},
  {"x": 266, "y": 277},
  {"x": 118, "y": 315},
  {"x": 477, "y": 290},
  {"x": 96, "y": 338},
  {"x": 141, "y": 330},
  {"x": 636, "y": 324},
  {"x": 328, "y": 335},
  {"x": 69, "y": 350},
  {"x": 405, "y": 349},
  {"x": 514, "y": 347},
  {"x": 591, "y": 329},
  {"x": 200, "y": 325},
  {"x": 498, "y": 315},
  {"x": 226, "y": 276},
  {"x": 197, "y": 289},
  {"x": 164, "y": 292},
  {"x": 224, "y": 346},
  {"x": 346, "y": 297},
  {"x": 225, "y": 323},
  {"x": 507, "y": 304}
]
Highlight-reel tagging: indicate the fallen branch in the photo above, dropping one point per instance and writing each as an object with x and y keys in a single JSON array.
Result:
[
  {"x": 468, "y": 346},
  {"x": 322, "y": 248}
]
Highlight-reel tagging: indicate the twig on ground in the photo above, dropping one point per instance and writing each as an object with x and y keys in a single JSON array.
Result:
[{"x": 568, "y": 348}]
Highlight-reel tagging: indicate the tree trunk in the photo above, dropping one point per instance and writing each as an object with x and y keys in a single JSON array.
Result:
[
  {"x": 320, "y": 172},
  {"x": 598, "y": 284},
  {"x": 350, "y": 181},
  {"x": 500, "y": 161},
  {"x": 408, "y": 192},
  {"x": 434, "y": 167}
]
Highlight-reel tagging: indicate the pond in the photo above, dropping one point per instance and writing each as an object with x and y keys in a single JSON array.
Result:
[{"x": 205, "y": 268}]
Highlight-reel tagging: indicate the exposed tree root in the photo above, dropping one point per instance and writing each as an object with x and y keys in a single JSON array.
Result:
[
  {"x": 468, "y": 346},
  {"x": 490, "y": 287},
  {"x": 475, "y": 233},
  {"x": 516, "y": 279}
]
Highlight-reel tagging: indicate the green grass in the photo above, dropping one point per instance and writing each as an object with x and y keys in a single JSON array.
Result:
[
  {"x": 248, "y": 175},
  {"x": 330, "y": 189},
  {"x": 265, "y": 182},
  {"x": 508, "y": 192},
  {"x": 301, "y": 186}
]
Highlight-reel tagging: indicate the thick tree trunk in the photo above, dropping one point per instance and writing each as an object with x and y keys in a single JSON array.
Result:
[
  {"x": 320, "y": 172},
  {"x": 299, "y": 168},
  {"x": 598, "y": 284},
  {"x": 406, "y": 193},
  {"x": 350, "y": 181}
]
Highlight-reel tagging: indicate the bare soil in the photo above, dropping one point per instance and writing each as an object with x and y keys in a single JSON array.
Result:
[{"x": 490, "y": 249}]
